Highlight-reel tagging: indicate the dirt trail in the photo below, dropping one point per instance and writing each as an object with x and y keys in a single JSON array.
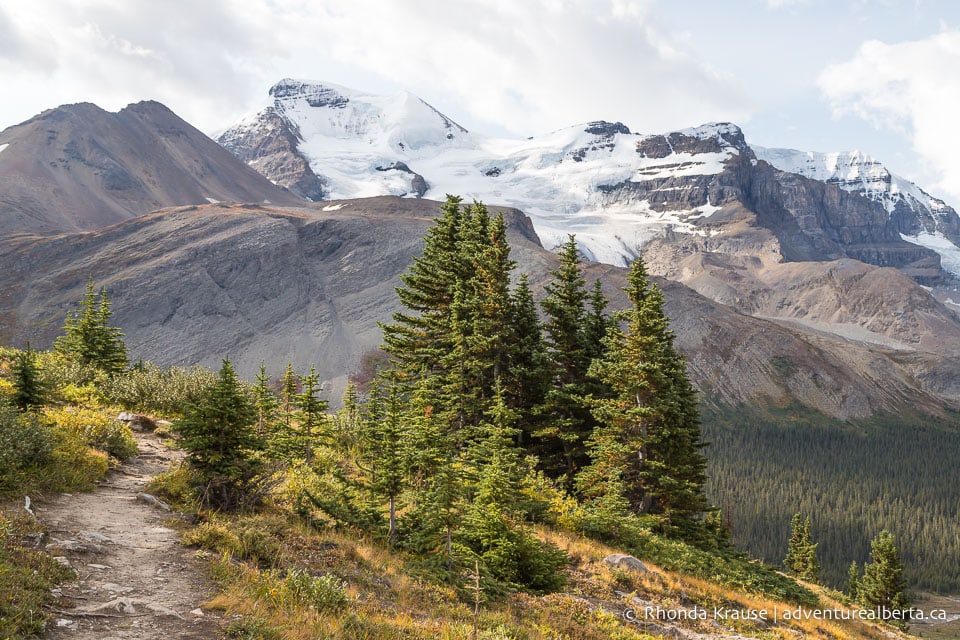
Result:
[{"x": 134, "y": 580}]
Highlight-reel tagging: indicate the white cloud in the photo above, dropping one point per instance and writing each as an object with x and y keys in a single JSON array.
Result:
[
  {"x": 780, "y": 4},
  {"x": 530, "y": 66},
  {"x": 911, "y": 89}
]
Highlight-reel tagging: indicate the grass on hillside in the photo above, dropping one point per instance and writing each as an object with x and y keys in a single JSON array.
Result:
[
  {"x": 298, "y": 583},
  {"x": 26, "y": 579}
]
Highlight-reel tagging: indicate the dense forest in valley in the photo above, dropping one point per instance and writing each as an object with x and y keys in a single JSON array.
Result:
[{"x": 851, "y": 480}]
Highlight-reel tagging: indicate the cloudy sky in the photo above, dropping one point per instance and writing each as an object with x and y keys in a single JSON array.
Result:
[{"x": 874, "y": 75}]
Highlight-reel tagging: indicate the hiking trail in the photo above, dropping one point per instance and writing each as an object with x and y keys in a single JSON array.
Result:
[{"x": 134, "y": 579}]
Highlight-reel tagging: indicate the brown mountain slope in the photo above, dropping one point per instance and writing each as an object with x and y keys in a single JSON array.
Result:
[
  {"x": 880, "y": 306},
  {"x": 78, "y": 167},
  {"x": 308, "y": 285}
]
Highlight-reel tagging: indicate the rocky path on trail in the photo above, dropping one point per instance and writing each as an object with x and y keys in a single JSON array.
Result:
[{"x": 134, "y": 580}]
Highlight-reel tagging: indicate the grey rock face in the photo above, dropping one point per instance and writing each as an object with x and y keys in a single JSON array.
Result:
[
  {"x": 418, "y": 183},
  {"x": 316, "y": 95},
  {"x": 608, "y": 129},
  {"x": 812, "y": 220},
  {"x": 271, "y": 148}
]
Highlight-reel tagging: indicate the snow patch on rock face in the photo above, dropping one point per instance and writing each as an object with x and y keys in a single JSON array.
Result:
[
  {"x": 558, "y": 179},
  {"x": 614, "y": 235},
  {"x": 4, "y": 146},
  {"x": 679, "y": 165},
  {"x": 949, "y": 252}
]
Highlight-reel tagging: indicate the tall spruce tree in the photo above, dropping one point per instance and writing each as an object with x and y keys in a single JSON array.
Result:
[
  {"x": 527, "y": 374},
  {"x": 853, "y": 582},
  {"x": 310, "y": 413},
  {"x": 566, "y": 421},
  {"x": 801, "y": 558},
  {"x": 88, "y": 336},
  {"x": 388, "y": 459},
  {"x": 218, "y": 432},
  {"x": 419, "y": 337},
  {"x": 596, "y": 323},
  {"x": 455, "y": 325},
  {"x": 649, "y": 432},
  {"x": 265, "y": 402},
  {"x": 883, "y": 584},
  {"x": 28, "y": 388}
]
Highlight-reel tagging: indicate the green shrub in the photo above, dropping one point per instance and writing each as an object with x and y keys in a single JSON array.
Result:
[
  {"x": 151, "y": 389},
  {"x": 510, "y": 553},
  {"x": 252, "y": 628},
  {"x": 259, "y": 540},
  {"x": 97, "y": 429},
  {"x": 59, "y": 371},
  {"x": 213, "y": 536},
  {"x": 74, "y": 467},
  {"x": 176, "y": 488},
  {"x": 296, "y": 588},
  {"x": 26, "y": 443}
]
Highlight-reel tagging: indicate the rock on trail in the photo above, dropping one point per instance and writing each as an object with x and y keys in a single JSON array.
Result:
[{"x": 134, "y": 580}]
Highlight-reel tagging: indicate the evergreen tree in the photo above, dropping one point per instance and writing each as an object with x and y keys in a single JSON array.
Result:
[
  {"x": 265, "y": 402},
  {"x": 801, "y": 558},
  {"x": 649, "y": 433},
  {"x": 487, "y": 300},
  {"x": 88, "y": 336},
  {"x": 311, "y": 412},
  {"x": 289, "y": 386},
  {"x": 596, "y": 323},
  {"x": 496, "y": 461},
  {"x": 348, "y": 421},
  {"x": 218, "y": 432},
  {"x": 527, "y": 374},
  {"x": 853, "y": 582},
  {"x": 566, "y": 421},
  {"x": 883, "y": 583},
  {"x": 429, "y": 445},
  {"x": 388, "y": 461},
  {"x": 28, "y": 387},
  {"x": 435, "y": 516},
  {"x": 112, "y": 353},
  {"x": 419, "y": 337},
  {"x": 455, "y": 325}
]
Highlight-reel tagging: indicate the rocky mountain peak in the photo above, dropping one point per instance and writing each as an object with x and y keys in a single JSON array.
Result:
[
  {"x": 315, "y": 94},
  {"x": 708, "y": 138},
  {"x": 920, "y": 217},
  {"x": 79, "y": 167},
  {"x": 608, "y": 129}
]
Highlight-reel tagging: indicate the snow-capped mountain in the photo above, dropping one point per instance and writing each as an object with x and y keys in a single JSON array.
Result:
[
  {"x": 922, "y": 218},
  {"x": 616, "y": 189}
]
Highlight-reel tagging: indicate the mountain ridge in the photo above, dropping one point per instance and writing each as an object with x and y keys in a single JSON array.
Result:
[
  {"x": 79, "y": 167},
  {"x": 616, "y": 189}
]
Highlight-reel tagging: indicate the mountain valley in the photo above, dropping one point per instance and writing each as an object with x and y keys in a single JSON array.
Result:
[{"x": 807, "y": 292}]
